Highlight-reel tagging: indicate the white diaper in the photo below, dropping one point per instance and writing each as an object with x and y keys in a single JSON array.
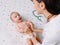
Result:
[
  {"x": 28, "y": 36},
  {"x": 38, "y": 43}
]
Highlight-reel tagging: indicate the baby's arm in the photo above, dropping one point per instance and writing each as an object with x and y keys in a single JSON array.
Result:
[
  {"x": 33, "y": 28},
  {"x": 29, "y": 41},
  {"x": 31, "y": 24}
]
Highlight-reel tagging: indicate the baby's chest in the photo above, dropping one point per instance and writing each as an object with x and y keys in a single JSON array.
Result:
[{"x": 24, "y": 25}]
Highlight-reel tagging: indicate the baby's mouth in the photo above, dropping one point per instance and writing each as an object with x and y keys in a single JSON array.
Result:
[{"x": 19, "y": 18}]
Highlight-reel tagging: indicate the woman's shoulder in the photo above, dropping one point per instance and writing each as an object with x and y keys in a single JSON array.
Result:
[
  {"x": 54, "y": 24},
  {"x": 55, "y": 20}
]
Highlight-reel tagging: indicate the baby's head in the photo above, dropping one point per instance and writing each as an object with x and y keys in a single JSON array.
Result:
[{"x": 15, "y": 17}]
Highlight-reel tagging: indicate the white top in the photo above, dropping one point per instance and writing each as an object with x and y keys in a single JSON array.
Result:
[{"x": 51, "y": 32}]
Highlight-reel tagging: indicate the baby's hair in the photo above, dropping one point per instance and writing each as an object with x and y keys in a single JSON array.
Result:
[{"x": 13, "y": 13}]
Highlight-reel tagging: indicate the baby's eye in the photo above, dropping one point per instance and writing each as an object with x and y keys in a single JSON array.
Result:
[{"x": 16, "y": 16}]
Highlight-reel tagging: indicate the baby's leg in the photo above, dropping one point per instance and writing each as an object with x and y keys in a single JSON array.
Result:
[
  {"x": 35, "y": 42},
  {"x": 38, "y": 38},
  {"x": 29, "y": 41}
]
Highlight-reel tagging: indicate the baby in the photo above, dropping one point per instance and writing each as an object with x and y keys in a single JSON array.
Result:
[{"x": 24, "y": 27}]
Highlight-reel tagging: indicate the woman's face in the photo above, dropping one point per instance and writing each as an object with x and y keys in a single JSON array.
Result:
[{"x": 37, "y": 7}]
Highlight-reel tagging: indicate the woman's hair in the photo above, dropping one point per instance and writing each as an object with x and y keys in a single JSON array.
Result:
[{"x": 52, "y": 6}]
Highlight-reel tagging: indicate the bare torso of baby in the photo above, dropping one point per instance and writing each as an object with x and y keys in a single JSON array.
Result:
[{"x": 25, "y": 25}]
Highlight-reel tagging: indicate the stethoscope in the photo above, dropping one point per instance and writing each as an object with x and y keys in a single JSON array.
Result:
[{"x": 36, "y": 15}]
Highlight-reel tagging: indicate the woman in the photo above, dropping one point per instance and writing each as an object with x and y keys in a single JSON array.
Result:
[{"x": 51, "y": 30}]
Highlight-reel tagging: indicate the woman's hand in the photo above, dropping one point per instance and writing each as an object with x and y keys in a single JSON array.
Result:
[{"x": 38, "y": 30}]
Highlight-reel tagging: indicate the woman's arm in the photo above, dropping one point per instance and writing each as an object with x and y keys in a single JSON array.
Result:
[
  {"x": 38, "y": 30},
  {"x": 33, "y": 28}
]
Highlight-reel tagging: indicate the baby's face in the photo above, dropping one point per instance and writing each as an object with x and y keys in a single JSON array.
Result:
[{"x": 16, "y": 18}]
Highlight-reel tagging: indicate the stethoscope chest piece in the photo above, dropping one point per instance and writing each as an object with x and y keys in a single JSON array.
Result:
[{"x": 36, "y": 15}]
